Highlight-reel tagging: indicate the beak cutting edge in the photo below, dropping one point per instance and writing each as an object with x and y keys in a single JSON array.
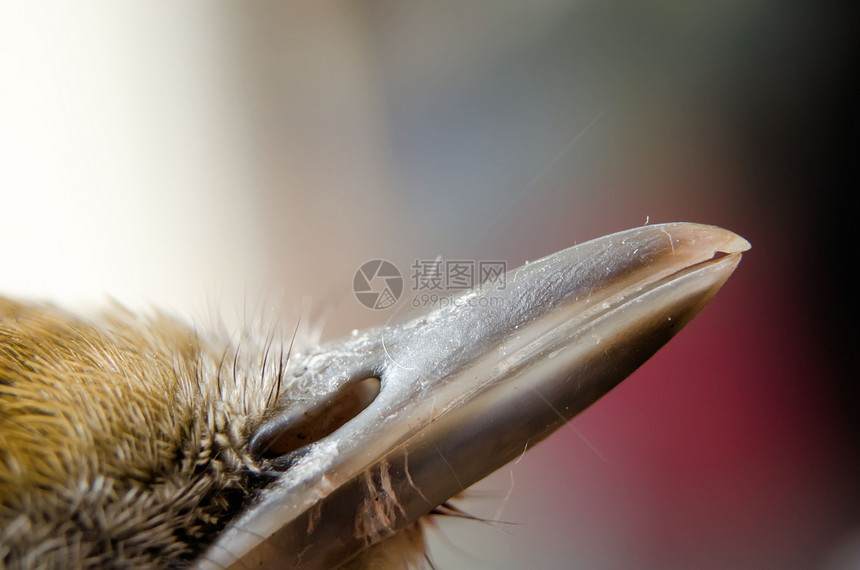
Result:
[{"x": 467, "y": 386}]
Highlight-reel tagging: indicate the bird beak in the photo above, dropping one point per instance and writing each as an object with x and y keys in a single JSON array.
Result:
[{"x": 463, "y": 388}]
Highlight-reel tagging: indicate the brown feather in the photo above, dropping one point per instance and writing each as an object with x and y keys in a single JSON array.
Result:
[{"x": 115, "y": 448}]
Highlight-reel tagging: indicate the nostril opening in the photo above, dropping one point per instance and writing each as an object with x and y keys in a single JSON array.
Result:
[{"x": 284, "y": 435}]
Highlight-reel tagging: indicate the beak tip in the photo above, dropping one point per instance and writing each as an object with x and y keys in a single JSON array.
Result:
[
  {"x": 724, "y": 241},
  {"x": 735, "y": 243}
]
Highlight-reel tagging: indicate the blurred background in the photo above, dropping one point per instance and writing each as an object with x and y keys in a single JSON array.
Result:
[{"x": 182, "y": 155}]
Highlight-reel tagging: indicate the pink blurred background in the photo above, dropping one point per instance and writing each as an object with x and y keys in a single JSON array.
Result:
[{"x": 156, "y": 153}]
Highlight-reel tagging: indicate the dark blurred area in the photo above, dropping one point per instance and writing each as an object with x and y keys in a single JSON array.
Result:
[{"x": 508, "y": 130}]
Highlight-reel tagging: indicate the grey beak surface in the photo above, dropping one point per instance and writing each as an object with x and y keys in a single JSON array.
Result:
[{"x": 466, "y": 386}]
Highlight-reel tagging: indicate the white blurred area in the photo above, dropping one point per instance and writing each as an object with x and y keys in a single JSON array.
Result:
[
  {"x": 126, "y": 156},
  {"x": 192, "y": 156}
]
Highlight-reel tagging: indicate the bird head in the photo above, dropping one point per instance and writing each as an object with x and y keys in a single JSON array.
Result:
[{"x": 140, "y": 442}]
